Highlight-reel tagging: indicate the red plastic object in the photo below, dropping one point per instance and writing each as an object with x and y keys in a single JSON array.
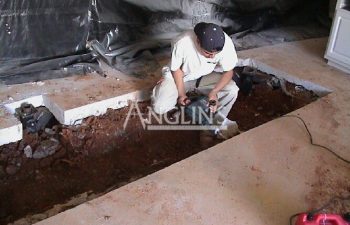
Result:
[{"x": 321, "y": 219}]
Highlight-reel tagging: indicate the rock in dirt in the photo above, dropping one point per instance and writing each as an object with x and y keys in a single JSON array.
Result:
[
  {"x": 46, "y": 148},
  {"x": 11, "y": 169},
  {"x": 28, "y": 151},
  {"x": 299, "y": 88},
  {"x": 50, "y": 131},
  {"x": 70, "y": 137},
  {"x": 274, "y": 83}
]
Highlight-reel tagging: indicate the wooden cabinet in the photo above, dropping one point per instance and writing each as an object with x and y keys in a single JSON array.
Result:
[{"x": 338, "y": 50}]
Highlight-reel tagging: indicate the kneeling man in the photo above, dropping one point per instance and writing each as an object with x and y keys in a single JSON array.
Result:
[{"x": 203, "y": 60}]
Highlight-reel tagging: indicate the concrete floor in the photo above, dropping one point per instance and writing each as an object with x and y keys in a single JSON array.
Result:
[{"x": 259, "y": 177}]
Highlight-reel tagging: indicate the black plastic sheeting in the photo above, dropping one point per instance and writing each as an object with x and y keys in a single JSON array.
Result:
[
  {"x": 44, "y": 39},
  {"x": 42, "y": 35}
]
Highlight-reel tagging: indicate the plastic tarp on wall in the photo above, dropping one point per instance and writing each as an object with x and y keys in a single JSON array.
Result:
[
  {"x": 43, "y": 39},
  {"x": 38, "y": 35}
]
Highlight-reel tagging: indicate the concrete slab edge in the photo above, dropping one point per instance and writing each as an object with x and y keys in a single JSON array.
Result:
[
  {"x": 11, "y": 134},
  {"x": 54, "y": 108},
  {"x": 71, "y": 116},
  {"x": 36, "y": 101}
]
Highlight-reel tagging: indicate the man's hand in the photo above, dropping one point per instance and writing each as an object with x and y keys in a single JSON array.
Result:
[
  {"x": 183, "y": 100},
  {"x": 178, "y": 78},
  {"x": 213, "y": 95},
  {"x": 213, "y": 98}
]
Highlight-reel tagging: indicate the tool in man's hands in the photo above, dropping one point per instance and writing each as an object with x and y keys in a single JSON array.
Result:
[
  {"x": 212, "y": 104},
  {"x": 195, "y": 109}
]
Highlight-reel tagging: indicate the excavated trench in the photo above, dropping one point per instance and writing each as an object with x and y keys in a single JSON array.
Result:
[{"x": 99, "y": 155}]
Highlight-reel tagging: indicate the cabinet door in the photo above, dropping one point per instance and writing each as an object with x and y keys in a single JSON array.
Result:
[{"x": 339, "y": 42}]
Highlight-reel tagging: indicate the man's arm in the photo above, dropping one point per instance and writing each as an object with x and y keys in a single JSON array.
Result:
[
  {"x": 178, "y": 77},
  {"x": 225, "y": 79}
]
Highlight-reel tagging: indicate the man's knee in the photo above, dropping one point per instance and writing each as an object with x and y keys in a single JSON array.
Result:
[
  {"x": 231, "y": 88},
  {"x": 162, "y": 105},
  {"x": 164, "y": 96}
]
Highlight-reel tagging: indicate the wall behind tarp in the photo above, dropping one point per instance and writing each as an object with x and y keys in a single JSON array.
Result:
[{"x": 40, "y": 37}]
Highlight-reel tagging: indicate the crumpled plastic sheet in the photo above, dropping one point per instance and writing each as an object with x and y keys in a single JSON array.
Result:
[
  {"x": 132, "y": 59},
  {"x": 157, "y": 22},
  {"x": 50, "y": 69},
  {"x": 43, "y": 35}
]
